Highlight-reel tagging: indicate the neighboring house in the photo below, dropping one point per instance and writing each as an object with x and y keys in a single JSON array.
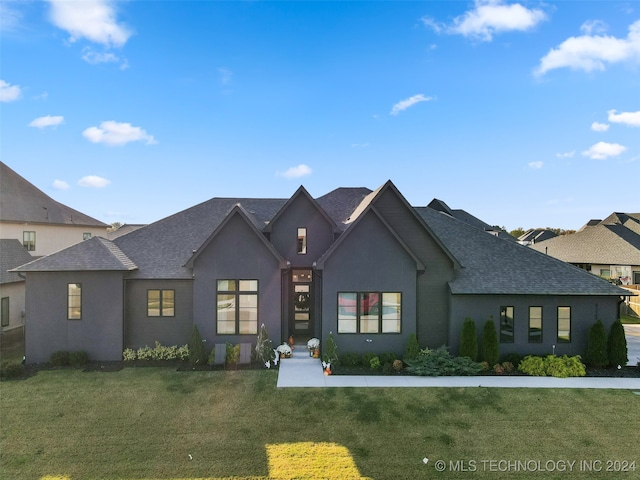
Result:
[
  {"x": 39, "y": 226},
  {"x": 363, "y": 265},
  {"x": 123, "y": 230},
  {"x": 12, "y": 255},
  {"x": 40, "y": 223},
  {"x": 608, "y": 248},
  {"x": 536, "y": 235}
]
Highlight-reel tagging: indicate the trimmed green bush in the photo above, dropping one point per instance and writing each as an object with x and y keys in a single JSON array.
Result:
[
  {"x": 439, "y": 362},
  {"x": 197, "y": 354},
  {"x": 513, "y": 358},
  {"x": 413, "y": 348},
  {"x": 60, "y": 358},
  {"x": 11, "y": 369},
  {"x": 596, "y": 355},
  {"x": 375, "y": 364},
  {"x": 387, "y": 357},
  {"x": 469, "y": 340},
  {"x": 129, "y": 355},
  {"x": 552, "y": 365},
  {"x": 366, "y": 359},
  {"x": 350, "y": 359},
  {"x": 490, "y": 348},
  {"x": 617, "y": 345},
  {"x": 78, "y": 359},
  {"x": 233, "y": 354},
  {"x": 532, "y": 365}
]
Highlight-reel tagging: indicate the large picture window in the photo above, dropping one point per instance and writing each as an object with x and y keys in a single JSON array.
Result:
[
  {"x": 564, "y": 324},
  {"x": 161, "y": 303},
  {"x": 74, "y": 301},
  {"x": 237, "y": 307},
  {"x": 369, "y": 312},
  {"x": 535, "y": 324},
  {"x": 506, "y": 324}
]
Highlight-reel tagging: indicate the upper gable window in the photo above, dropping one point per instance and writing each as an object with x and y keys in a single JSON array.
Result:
[
  {"x": 29, "y": 241},
  {"x": 302, "y": 241}
]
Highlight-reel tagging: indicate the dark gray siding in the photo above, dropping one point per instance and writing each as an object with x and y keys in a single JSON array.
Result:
[
  {"x": 141, "y": 330},
  {"x": 47, "y": 329},
  {"x": 284, "y": 233},
  {"x": 585, "y": 311},
  {"x": 433, "y": 289},
  {"x": 370, "y": 259},
  {"x": 237, "y": 253}
]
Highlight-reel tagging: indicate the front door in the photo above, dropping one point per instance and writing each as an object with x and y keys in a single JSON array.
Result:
[{"x": 302, "y": 302}]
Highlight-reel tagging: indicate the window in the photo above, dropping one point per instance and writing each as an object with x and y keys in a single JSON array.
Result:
[
  {"x": 161, "y": 303},
  {"x": 74, "y": 301},
  {"x": 86, "y": 235},
  {"x": 237, "y": 307},
  {"x": 535, "y": 324},
  {"x": 605, "y": 273},
  {"x": 29, "y": 241},
  {"x": 4, "y": 311},
  {"x": 564, "y": 324},
  {"x": 369, "y": 312},
  {"x": 506, "y": 324},
  {"x": 302, "y": 241}
]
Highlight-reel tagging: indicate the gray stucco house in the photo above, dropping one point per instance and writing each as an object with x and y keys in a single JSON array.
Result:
[{"x": 362, "y": 264}]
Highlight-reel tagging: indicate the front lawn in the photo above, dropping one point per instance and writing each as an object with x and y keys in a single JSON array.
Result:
[
  {"x": 629, "y": 319},
  {"x": 157, "y": 423}
]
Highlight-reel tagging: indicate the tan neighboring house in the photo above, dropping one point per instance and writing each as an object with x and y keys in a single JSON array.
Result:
[
  {"x": 32, "y": 221},
  {"x": 608, "y": 248}
]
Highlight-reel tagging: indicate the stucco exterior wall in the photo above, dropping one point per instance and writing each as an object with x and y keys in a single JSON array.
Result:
[
  {"x": 100, "y": 330},
  {"x": 141, "y": 330},
  {"x": 49, "y": 238},
  {"x": 585, "y": 311}
]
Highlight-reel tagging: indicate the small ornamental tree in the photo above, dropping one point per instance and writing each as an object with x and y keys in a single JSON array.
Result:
[
  {"x": 264, "y": 347},
  {"x": 617, "y": 345},
  {"x": 197, "y": 354},
  {"x": 469, "y": 340},
  {"x": 596, "y": 355},
  {"x": 413, "y": 348},
  {"x": 330, "y": 351},
  {"x": 490, "y": 348}
]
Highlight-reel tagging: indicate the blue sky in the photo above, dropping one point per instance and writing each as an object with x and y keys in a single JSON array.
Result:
[{"x": 522, "y": 113}]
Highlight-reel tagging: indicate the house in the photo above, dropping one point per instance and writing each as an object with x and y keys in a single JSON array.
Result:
[
  {"x": 536, "y": 235},
  {"x": 608, "y": 248},
  {"x": 32, "y": 224},
  {"x": 364, "y": 265}
]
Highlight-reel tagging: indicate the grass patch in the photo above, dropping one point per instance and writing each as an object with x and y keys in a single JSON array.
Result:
[
  {"x": 628, "y": 319},
  {"x": 156, "y": 423}
]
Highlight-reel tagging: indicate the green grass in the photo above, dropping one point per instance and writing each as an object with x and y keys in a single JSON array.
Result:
[
  {"x": 629, "y": 319},
  {"x": 143, "y": 423}
]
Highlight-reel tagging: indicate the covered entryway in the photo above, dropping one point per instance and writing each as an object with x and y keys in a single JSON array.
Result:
[{"x": 301, "y": 302}]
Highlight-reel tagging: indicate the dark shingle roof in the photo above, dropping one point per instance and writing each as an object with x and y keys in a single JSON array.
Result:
[
  {"x": 12, "y": 255},
  {"x": 20, "y": 201},
  {"x": 491, "y": 265},
  {"x": 95, "y": 254},
  {"x": 341, "y": 203}
]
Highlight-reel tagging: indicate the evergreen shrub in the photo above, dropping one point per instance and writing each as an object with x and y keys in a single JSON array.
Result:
[
  {"x": 490, "y": 348},
  {"x": 596, "y": 355},
  {"x": 413, "y": 348},
  {"x": 469, "y": 340},
  {"x": 60, "y": 358},
  {"x": 617, "y": 345},
  {"x": 197, "y": 354}
]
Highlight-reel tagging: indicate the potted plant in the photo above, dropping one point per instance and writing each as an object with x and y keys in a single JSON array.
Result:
[
  {"x": 284, "y": 350},
  {"x": 313, "y": 346}
]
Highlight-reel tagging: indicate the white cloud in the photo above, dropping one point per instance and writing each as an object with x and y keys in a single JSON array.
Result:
[
  {"x": 536, "y": 165},
  {"x": 566, "y": 154},
  {"x": 604, "y": 150},
  {"x": 94, "y": 20},
  {"x": 93, "y": 181},
  {"x": 47, "y": 121},
  {"x": 91, "y": 56},
  {"x": 593, "y": 26},
  {"x": 599, "y": 127},
  {"x": 8, "y": 92},
  {"x": 296, "y": 172},
  {"x": 409, "y": 102},
  {"x": 116, "y": 133},
  {"x": 60, "y": 185},
  {"x": 10, "y": 18},
  {"x": 593, "y": 52},
  {"x": 488, "y": 18},
  {"x": 628, "y": 118}
]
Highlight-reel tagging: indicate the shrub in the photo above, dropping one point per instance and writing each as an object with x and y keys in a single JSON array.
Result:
[
  {"x": 532, "y": 365},
  {"x": 413, "y": 349},
  {"x": 331, "y": 351},
  {"x": 388, "y": 357},
  {"x": 264, "y": 348},
  {"x": 485, "y": 366},
  {"x": 617, "y": 345},
  {"x": 490, "y": 348},
  {"x": 439, "y": 362},
  {"x": 508, "y": 367},
  {"x": 513, "y": 358},
  {"x": 212, "y": 356},
  {"x": 11, "y": 369},
  {"x": 574, "y": 366},
  {"x": 233, "y": 354},
  {"x": 350, "y": 359},
  {"x": 79, "y": 358},
  {"x": 375, "y": 364},
  {"x": 197, "y": 354},
  {"x": 145, "y": 353},
  {"x": 182, "y": 353},
  {"x": 60, "y": 358},
  {"x": 387, "y": 368},
  {"x": 469, "y": 340},
  {"x": 499, "y": 369},
  {"x": 129, "y": 355},
  {"x": 398, "y": 365},
  {"x": 596, "y": 355},
  {"x": 366, "y": 359}
]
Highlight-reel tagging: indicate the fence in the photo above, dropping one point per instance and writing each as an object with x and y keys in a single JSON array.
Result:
[{"x": 633, "y": 303}]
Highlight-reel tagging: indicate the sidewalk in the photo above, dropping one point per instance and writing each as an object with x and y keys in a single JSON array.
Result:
[{"x": 306, "y": 372}]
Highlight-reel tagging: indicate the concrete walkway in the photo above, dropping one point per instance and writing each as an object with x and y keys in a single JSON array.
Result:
[{"x": 306, "y": 372}]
